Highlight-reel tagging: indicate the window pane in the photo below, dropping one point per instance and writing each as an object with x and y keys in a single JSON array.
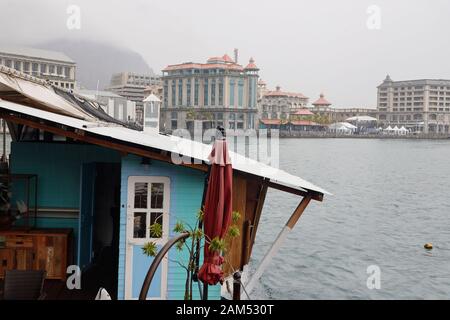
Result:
[
  {"x": 156, "y": 217},
  {"x": 140, "y": 195},
  {"x": 157, "y": 195},
  {"x": 139, "y": 225}
]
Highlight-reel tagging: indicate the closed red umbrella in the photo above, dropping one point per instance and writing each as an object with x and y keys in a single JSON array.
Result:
[{"x": 217, "y": 210}]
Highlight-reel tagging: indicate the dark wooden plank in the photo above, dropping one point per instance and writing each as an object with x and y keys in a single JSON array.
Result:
[
  {"x": 314, "y": 195},
  {"x": 258, "y": 210},
  {"x": 234, "y": 254},
  {"x": 298, "y": 212}
]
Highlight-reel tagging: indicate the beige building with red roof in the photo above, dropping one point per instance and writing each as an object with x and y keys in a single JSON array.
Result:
[
  {"x": 218, "y": 92},
  {"x": 322, "y": 107},
  {"x": 280, "y": 104}
]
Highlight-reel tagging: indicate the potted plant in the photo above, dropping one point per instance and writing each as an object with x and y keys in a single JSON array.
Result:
[{"x": 190, "y": 244}]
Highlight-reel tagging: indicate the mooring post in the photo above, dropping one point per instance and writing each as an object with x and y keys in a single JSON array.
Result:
[{"x": 237, "y": 286}]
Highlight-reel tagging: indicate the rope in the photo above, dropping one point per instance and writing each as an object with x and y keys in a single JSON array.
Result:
[{"x": 242, "y": 285}]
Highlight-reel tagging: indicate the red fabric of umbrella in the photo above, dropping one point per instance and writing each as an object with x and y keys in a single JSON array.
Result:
[{"x": 217, "y": 210}]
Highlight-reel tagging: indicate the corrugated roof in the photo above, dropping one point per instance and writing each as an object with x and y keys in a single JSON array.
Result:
[
  {"x": 94, "y": 93},
  {"x": 171, "y": 144},
  {"x": 36, "y": 53}
]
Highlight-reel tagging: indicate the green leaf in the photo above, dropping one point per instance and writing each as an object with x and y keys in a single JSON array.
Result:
[
  {"x": 179, "y": 227},
  {"x": 149, "y": 249},
  {"x": 235, "y": 216},
  {"x": 217, "y": 244},
  {"x": 200, "y": 215},
  {"x": 198, "y": 234},
  {"x": 156, "y": 230},
  {"x": 234, "y": 231}
]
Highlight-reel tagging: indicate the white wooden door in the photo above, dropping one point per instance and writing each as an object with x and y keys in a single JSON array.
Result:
[{"x": 148, "y": 202}]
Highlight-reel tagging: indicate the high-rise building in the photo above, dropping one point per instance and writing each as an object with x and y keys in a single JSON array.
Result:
[
  {"x": 53, "y": 66},
  {"x": 218, "y": 92},
  {"x": 419, "y": 105},
  {"x": 131, "y": 86}
]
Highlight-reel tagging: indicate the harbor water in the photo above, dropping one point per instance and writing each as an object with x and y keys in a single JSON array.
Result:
[{"x": 390, "y": 197}]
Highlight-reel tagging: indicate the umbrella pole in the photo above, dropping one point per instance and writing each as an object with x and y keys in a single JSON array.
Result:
[{"x": 204, "y": 296}]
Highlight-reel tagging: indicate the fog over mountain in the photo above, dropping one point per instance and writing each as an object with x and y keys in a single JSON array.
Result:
[{"x": 98, "y": 61}]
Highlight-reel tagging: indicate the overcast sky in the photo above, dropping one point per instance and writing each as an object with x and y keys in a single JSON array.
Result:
[{"x": 303, "y": 46}]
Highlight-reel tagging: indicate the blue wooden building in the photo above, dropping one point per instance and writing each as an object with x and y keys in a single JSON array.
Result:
[{"x": 108, "y": 183}]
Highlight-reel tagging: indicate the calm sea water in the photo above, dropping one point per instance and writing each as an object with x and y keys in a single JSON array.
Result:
[{"x": 390, "y": 198}]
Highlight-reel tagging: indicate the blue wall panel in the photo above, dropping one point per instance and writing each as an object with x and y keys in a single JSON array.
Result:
[
  {"x": 58, "y": 166},
  {"x": 185, "y": 200}
]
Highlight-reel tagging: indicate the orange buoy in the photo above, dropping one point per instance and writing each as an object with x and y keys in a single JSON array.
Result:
[{"x": 428, "y": 246}]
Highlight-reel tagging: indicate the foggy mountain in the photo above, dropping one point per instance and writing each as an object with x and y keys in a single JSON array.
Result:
[{"x": 98, "y": 61}]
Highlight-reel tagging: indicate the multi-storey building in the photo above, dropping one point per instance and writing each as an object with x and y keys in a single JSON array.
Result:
[
  {"x": 114, "y": 105},
  {"x": 218, "y": 92},
  {"x": 131, "y": 86},
  {"x": 53, "y": 66},
  {"x": 280, "y": 104},
  {"x": 322, "y": 107},
  {"x": 419, "y": 105}
]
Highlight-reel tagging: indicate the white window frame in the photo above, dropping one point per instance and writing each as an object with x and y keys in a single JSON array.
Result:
[{"x": 165, "y": 209}]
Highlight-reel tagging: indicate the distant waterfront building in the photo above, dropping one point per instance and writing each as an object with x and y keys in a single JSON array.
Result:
[
  {"x": 152, "y": 109},
  {"x": 322, "y": 107},
  {"x": 321, "y": 102},
  {"x": 53, "y": 66},
  {"x": 155, "y": 89},
  {"x": 342, "y": 114},
  {"x": 419, "y": 105},
  {"x": 218, "y": 92},
  {"x": 262, "y": 89},
  {"x": 279, "y": 104},
  {"x": 131, "y": 86},
  {"x": 114, "y": 105}
]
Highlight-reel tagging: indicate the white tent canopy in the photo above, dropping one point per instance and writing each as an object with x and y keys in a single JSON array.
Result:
[
  {"x": 396, "y": 130},
  {"x": 342, "y": 124},
  {"x": 403, "y": 130},
  {"x": 361, "y": 119},
  {"x": 342, "y": 127}
]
